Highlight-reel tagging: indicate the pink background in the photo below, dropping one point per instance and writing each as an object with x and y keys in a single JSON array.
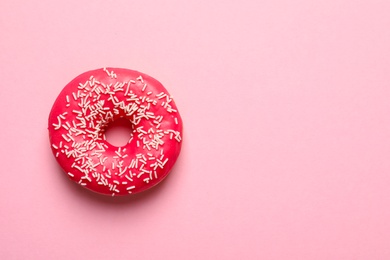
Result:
[{"x": 287, "y": 129}]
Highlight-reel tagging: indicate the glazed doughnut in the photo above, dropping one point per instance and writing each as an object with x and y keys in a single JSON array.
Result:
[{"x": 88, "y": 104}]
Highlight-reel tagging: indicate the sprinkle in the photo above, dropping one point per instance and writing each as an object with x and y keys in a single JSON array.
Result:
[
  {"x": 127, "y": 88},
  {"x": 161, "y": 95},
  {"x": 130, "y": 188},
  {"x": 66, "y": 138},
  {"x": 166, "y": 160},
  {"x": 140, "y": 79}
]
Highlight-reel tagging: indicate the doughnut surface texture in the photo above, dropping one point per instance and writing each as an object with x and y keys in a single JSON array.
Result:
[{"x": 84, "y": 109}]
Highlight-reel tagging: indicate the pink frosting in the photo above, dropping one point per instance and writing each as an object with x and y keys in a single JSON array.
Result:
[{"x": 82, "y": 112}]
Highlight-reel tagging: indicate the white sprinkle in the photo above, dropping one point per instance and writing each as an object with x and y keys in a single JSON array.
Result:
[
  {"x": 70, "y": 174},
  {"x": 140, "y": 79},
  {"x": 79, "y": 113},
  {"x": 166, "y": 160},
  {"x": 161, "y": 95},
  {"x": 71, "y": 138},
  {"x": 127, "y": 88},
  {"x": 66, "y": 138}
]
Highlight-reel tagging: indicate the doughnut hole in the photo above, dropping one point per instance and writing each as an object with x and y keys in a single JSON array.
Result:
[{"x": 119, "y": 132}]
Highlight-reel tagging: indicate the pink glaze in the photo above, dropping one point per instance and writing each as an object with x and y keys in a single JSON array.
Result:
[{"x": 82, "y": 112}]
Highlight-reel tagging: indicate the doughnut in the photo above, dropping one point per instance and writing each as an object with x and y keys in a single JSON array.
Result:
[{"x": 88, "y": 105}]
